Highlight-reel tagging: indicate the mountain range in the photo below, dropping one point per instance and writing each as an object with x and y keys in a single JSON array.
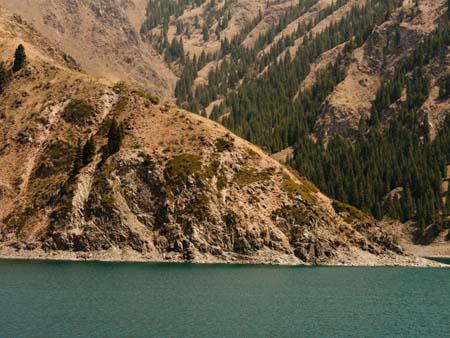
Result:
[{"x": 114, "y": 142}]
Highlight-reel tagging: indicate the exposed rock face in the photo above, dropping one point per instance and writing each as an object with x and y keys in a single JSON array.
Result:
[
  {"x": 183, "y": 188},
  {"x": 103, "y": 36}
]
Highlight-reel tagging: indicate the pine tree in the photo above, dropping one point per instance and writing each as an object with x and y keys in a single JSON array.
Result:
[
  {"x": 19, "y": 58},
  {"x": 407, "y": 205},
  {"x": 115, "y": 137},
  {"x": 77, "y": 160},
  {"x": 444, "y": 88},
  {"x": 205, "y": 33},
  {"x": 89, "y": 151}
]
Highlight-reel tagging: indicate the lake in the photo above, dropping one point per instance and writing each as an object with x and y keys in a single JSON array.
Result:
[{"x": 92, "y": 299}]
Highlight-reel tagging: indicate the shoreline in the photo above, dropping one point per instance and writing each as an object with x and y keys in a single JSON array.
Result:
[
  {"x": 128, "y": 256},
  {"x": 436, "y": 250}
]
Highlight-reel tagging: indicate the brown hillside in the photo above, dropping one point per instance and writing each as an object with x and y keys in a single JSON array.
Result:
[{"x": 103, "y": 36}]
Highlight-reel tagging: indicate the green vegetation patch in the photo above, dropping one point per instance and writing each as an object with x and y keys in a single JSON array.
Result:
[
  {"x": 123, "y": 89},
  {"x": 121, "y": 104},
  {"x": 56, "y": 158},
  {"x": 352, "y": 213},
  {"x": 247, "y": 176},
  {"x": 222, "y": 182},
  {"x": 103, "y": 187},
  {"x": 212, "y": 169},
  {"x": 120, "y": 87},
  {"x": 78, "y": 111},
  {"x": 17, "y": 222},
  {"x": 305, "y": 189},
  {"x": 64, "y": 202},
  {"x": 150, "y": 97},
  {"x": 253, "y": 154},
  {"x": 223, "y": 145},
  {"x": 181, "y": 167},
  {"x": 108, "y": 202},
  {"x": 292, "y": 214}
]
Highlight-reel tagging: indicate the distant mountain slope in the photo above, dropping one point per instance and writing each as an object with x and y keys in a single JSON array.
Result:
[
  {"x": 103, "y": 36},
  {"x": 368, "y": 77},
  {"x": 375, "y": 60},
  {"x": 160, "y": 184}
]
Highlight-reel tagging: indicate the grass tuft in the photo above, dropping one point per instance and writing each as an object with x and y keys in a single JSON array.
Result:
[
  {"x": 247, "y": 176},
  {"x": 181, "y": 167}
]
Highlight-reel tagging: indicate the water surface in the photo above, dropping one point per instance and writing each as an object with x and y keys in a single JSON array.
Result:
[
  {"x": 445, "y": 260},
  {"x": 79, "y": 299}
]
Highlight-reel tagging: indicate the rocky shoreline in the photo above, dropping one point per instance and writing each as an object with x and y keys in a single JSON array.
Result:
[{"x": 355, "y": 259}]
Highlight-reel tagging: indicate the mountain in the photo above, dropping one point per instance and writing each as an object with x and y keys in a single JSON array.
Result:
[
  {"x": 92, "y": 168},
  {"x": 354, "y": 92}
]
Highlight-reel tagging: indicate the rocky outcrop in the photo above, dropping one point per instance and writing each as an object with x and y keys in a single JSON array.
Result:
[{"x": 182, "y": 188}]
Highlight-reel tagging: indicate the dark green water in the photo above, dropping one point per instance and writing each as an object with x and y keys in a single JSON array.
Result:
[
  {"x": 440, "y": 259},
  {"x": 64, "y": 299}
]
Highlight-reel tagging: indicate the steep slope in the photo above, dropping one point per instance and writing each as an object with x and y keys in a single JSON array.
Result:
[
  {"x": 178, "y": 188},
  {"x": 369, "y": 77},
  {"x": 103, "y": 36},
  {"x": 352, "y": 99}
]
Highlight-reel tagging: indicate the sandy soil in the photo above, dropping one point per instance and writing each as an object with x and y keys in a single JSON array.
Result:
[
  {"x": 282, "y": 155},
  {"x": 441, "y": 250}
]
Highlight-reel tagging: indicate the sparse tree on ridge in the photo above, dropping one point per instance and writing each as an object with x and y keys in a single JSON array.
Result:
[
  {"x": 115, "y": 137},
  {"x": 19, "y": 58},
  {"x": 88, "y": 150}
]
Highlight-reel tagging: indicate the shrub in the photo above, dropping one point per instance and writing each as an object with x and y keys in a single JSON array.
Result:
[
  {"x": 223, "y": 145},
  {"x": 247, "y": 176},
  {"x": 179, "y": 168},
  {"x": 305, "y": 189},
  {"x": 19, "y": 58},
  {"x": 78, "y": 111},
  {"x": 292, "y": 214}
]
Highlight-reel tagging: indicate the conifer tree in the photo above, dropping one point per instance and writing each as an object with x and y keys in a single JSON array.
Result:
[
  {"x": 19, "y": 58},
  {"x": 77, "y": 160},
  {"x": 205, "y": 33},
  {"x": 115, "y": 137},
  {"x": 89, "y": 150}
]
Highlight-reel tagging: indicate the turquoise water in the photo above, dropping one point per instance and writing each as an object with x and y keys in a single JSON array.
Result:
[
  {"x": 440, "y": 259},
  {"x": 73, "y": 299}
]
